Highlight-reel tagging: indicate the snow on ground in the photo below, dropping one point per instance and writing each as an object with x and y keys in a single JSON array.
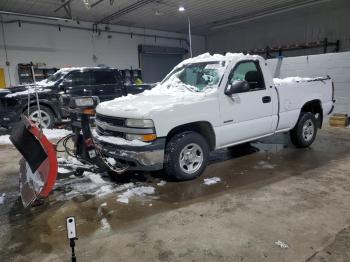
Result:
[
  {"x": 95, "y": 178},
  {"x": 105, "y": 226},
  {"x": 140, "y": 191},
  {"x": 264, "y": 165},
  {"x": 56, "y": 133},
  {"x": 2, "y": 198},
  {"x": 161, "y": 183},
  {"x": 91, "y": 184},
  {"x": 281, "y": 244},
  {"x": 49, "y": 133},
  {"x": 71, "y": 162},
  {"x": 5, "y": 139},
  {"x": 211, "y": 181},
  {"x": 63, "y": 170}
]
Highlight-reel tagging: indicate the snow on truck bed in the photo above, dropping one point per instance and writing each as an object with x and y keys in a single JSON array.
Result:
[{"x": 295, "y": 79}]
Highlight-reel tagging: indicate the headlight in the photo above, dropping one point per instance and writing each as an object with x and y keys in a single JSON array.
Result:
[
  {"x": 84, "y": 101},
  {"x": 144, "y": 138},
  {"x": 145, "y": 123}
]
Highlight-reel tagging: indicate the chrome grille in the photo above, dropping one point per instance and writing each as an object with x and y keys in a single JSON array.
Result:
[
  {"x": 103, "y": 132},
  {"x": 114, "y": 121}
]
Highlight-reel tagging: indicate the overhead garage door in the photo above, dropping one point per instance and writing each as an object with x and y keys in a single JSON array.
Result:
[
  {"x": 336, "y": 65},
  {"x": 156, "y": 61}
]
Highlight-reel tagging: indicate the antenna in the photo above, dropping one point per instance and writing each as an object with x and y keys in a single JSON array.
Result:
[{"x": 189, "y": 34}]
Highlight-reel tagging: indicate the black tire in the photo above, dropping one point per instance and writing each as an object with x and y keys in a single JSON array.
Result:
[
  {"x": 178, "y": 146},
  {"x": 47, "y": 112},
  {"x": 299, "y": 136}
]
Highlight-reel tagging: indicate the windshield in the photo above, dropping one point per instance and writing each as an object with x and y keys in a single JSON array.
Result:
[
  {"x": 196, "y": 77},
  {"x": 56, "y": 76}
]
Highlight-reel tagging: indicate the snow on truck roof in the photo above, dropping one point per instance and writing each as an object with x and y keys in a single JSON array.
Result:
[
  {"x": 207, "y": 57},
  {"x": 69, "y": 69}
]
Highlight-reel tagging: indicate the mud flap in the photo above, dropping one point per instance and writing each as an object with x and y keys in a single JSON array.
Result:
[{"x": 38, "y": 167}]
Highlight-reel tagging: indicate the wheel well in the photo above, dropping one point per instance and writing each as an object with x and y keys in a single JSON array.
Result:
[
  {"x": 202, "y": 127},
  {"x": 314, "y": 107},
  {"x": 41, "y": 104}
]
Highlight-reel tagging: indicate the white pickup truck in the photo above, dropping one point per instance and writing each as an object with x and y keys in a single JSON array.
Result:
[{"x": 207, "y": 103}]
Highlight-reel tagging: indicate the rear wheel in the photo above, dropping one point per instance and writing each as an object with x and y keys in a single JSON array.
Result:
[
  {"x": 304, "y": 133},
  {"x": 45, "y": 117},
  {"x": 186, "y": 156}
]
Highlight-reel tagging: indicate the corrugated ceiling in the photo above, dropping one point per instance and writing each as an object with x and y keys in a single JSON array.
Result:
[{"x": 157, "y": 14}]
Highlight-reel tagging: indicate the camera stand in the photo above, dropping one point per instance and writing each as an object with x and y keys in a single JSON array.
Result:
[{"x": 72, "y": 245}]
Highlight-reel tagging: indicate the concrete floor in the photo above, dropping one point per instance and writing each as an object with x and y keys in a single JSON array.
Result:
[{"x": 269, "y": 191}]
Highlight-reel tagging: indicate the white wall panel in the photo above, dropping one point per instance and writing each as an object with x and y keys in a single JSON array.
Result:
[{"x": 72, "y": 47}]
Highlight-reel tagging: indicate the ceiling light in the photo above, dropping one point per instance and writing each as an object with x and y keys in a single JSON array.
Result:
[
  {"x": 87, "y": 3},
  {"x": 182, "y": 9}
]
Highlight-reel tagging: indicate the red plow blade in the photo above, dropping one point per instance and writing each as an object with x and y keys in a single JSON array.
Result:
[{"x": 38, "y": 167}]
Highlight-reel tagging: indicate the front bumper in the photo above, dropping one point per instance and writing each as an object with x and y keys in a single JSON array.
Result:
[{"x": 149, "y": 157}]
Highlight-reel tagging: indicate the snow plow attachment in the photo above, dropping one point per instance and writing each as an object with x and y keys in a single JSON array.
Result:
[{"x": 38, "y": 167}]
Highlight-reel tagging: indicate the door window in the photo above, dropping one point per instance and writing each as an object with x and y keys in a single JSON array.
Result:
[
  {"x": 104, "y": 77},
  {"x": 248, "y": 71},
  {"x": 79, "y": 78}
]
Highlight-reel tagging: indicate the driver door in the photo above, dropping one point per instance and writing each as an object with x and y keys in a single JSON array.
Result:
[
  {"x": 246, "y": 115},
  {"x": 80, "y": 83}
]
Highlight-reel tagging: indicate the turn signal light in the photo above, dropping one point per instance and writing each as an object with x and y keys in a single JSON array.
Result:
[
  {"x": 89, "y": 111},
  {"x": 149, "y": 137}
]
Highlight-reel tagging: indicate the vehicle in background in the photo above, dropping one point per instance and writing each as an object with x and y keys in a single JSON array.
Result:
[
  {"x": 133, "y": 81},
  {"x": 207, "y": 103},
  {"x": 54, "y": 94}
]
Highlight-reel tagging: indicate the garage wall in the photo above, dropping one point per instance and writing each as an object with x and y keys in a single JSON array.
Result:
[
  {"x": 336, "y": 65},
  {"x": 330, "y": 19},
  {"x": 72, "y": 47}
]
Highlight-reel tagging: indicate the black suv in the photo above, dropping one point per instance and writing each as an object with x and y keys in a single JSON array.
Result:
[{"x": 55, "y": 91}]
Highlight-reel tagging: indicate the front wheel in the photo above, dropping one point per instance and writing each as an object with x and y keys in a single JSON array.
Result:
[
  {"x": 186, "y": 156},
  {"x": 304, "y": 133},
  {"x": 45, "y": 118}
]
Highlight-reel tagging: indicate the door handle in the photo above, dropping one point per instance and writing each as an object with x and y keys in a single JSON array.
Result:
[{"x": 266, "y": 99}]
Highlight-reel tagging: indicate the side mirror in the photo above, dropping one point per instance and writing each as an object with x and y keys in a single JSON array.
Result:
[{"x": 240, "y": 86}]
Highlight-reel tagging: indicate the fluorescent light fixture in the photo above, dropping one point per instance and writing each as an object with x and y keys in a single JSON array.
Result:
[{"x": 181, "y": 8}]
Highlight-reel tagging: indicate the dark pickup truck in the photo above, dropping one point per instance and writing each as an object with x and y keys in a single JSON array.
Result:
[{"x": 55, "y": 92}]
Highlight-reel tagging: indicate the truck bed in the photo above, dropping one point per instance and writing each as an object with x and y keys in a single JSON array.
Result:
[{"x": 294, "y": 92}]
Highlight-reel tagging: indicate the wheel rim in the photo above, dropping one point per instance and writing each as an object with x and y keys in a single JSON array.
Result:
[
  {"x": 191, "y": 158},
  {"x": 308, "y": 130},
  {"x": 42, "y": 119}
]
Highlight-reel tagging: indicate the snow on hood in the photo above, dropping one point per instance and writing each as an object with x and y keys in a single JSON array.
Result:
[
  {"x": 30, "y": 90},
  {"x": 157, "y": 99},
  {"x": 45, "y": 83}
]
